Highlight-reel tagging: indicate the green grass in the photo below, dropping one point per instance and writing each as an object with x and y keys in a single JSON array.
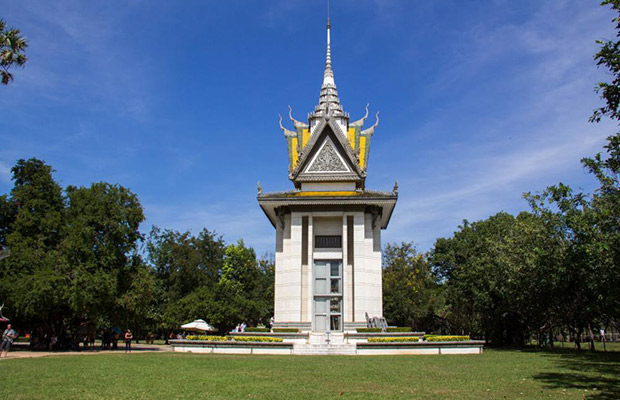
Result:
[{"x": 496, "y": 374}]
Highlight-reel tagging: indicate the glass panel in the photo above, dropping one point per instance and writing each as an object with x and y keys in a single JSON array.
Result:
[
  {"x": 335, "y": 285},
  {"x": 335, "y": 323},
  {"x": 320, "y": 286},
  {"x": 334, "y": 305},
  {"x": 321, "y": 270},
  {"x": 320, "y": 306},
  {"x": 320, "y": 322},
  {"x": 335, "y": 269}
]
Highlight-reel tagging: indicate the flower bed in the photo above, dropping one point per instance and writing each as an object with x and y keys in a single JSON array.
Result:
[
  {"x": 445, "y": 338},
  {"x": 235, "y": 339},
  {"x": 257, "y": 339},
  {"x": 207, "y": 337},
  {"x": 394, "y": 339}
]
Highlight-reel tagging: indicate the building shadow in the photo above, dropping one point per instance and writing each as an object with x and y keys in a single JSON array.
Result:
[{"x": 598, "y": 373}]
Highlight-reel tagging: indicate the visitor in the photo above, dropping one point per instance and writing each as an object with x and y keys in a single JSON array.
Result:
[
  {"x": 128, "y": 337},
  {"x": 271, "y": 324},
  {"x": 92, "y": 335},
  {"x": 115, "y": 337},
  {"x": 8, "y": 336},
  {"x": 243, "y": 326}
]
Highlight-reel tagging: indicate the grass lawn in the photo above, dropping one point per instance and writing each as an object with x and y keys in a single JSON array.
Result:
[{"x": 496, "y": 374}]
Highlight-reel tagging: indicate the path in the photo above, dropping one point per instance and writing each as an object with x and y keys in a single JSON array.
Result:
[{"x": 22, "y": 351}]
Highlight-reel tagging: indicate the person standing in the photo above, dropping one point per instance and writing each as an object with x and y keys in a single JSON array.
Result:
[
  {"x": 7, "y": 340},
  {"x": 128, "y": 337}
]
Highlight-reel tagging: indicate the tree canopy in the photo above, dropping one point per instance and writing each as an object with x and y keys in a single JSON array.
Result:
[{"x": 12, "y": 47}]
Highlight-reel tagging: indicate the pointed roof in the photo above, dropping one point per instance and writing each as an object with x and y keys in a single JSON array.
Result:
[
  {"x": 329, "y": 103},
  {"x": 328, "y": 129}
]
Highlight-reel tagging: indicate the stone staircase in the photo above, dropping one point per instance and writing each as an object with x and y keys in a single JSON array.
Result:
[
  {"x": 325, "y": 349},
  {"x": 325, "y": 344}
]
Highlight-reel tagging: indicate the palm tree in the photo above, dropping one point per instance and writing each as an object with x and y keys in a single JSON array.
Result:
[{"x": 12, "y": 47}]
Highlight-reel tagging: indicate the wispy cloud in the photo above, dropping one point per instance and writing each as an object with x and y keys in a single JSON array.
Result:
[
  {"x": 245, "y": 221},
  {"x": 5, "y": 173}
]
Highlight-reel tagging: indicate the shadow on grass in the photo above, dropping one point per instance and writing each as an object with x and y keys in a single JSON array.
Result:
[{"x": 598, "y": 373}]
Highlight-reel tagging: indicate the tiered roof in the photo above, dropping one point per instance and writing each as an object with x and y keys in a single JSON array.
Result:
[{"x": 352, "y": 142}]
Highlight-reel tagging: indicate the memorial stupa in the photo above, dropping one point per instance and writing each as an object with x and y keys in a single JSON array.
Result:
[{"x": 328, "y": 226}]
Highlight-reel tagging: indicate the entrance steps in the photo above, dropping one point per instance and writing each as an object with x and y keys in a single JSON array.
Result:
[
  {"x": 320, "y": 343},
  {"x": 324, "y": 349}
]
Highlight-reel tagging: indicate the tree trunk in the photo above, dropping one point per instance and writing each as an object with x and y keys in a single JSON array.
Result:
[{"x": 591, "y": 337}]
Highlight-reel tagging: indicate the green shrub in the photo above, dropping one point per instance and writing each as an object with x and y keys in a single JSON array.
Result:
[
  {"x": 445, "y": 338},
  {"x": 207, "y": 337},
  {"x": 256, "y": 339},
  {"x": 257, "y": 329},
  {"x": 393, "y": 339},
  {"x": 399, "y": 329},
  {"x": 286, "y": 330},
  {"x": 378, "y": 330}
]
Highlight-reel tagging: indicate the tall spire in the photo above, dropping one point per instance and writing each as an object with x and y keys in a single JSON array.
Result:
[
  {"x": 329, "y": 103},
  {"x": 328, "y": 75}
]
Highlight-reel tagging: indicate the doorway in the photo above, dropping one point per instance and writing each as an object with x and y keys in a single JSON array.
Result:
[{"x": 328, "y": 296}]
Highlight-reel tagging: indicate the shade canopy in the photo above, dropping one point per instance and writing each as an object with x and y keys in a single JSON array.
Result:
[{"x": 199, "y": 325}]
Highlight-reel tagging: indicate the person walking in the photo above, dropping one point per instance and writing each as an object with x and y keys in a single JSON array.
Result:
[
  {"x": 128, "y": 337},
  {"x": 7, "y": 340}
]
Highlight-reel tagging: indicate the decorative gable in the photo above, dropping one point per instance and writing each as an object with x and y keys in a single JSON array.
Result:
[
  {"x": 327, "y": 157},
  {"x": 327, "y": 160}
]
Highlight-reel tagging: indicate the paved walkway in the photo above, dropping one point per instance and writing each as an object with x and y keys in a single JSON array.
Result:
[{"x": 20, "y": 350}]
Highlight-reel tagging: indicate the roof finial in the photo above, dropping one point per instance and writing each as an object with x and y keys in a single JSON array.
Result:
[{"x": 328, "y": 75}]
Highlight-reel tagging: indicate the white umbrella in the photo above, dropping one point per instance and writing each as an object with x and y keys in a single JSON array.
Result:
[{"x": 199, "y": 325}]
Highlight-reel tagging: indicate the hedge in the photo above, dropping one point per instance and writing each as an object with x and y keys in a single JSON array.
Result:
[
  {"x": 209, "y": 338},
  {"x": 445, "y": 338},
  {"x": 257, "y": 329},
  {"x": 256, "y": 339},
  {"x": 378, "y": 330},
  {"x": 394, "y": 339},
  {"x": 286, "y": 330}
]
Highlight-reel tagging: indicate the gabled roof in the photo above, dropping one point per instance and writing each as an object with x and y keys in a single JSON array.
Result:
[{"x": 328, "y": 130}]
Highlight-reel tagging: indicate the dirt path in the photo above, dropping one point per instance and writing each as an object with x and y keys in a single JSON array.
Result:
[{"x": 19, "y": 351}]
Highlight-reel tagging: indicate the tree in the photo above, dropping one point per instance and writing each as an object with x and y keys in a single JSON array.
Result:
[
  {"x": 184, "y": 262},
  {"x": 12, "y": 46},
  {"x": 101, "y": 230},
  {"x": 32, "y": 280},
  {"x": 70, "y": 254},
  {"x": 411, "y": 297}
]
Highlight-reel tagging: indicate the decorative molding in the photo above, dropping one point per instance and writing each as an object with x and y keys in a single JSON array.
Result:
[{"x": 327, "y": 160}]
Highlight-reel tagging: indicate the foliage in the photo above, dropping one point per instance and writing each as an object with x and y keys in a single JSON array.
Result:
[
  {"x": 411, "y": 296},
  {"x": 257, "y": 329},
  {"x": 257, "y": 339},
  {"x": 394, "y": 339},
  {"x": 445, "y": 338},
  {"x": 67, "y": 252},
  {"x": 286, "y": 330},
  {"x": 12, "y": 46},
  {"x": 208, "y": 338}
]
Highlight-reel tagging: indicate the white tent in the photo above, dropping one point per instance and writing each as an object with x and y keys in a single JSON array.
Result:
[{"x": 199, "y": 325}]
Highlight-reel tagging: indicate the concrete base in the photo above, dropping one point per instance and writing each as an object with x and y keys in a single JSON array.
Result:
[{"x": 317, "y": 344}]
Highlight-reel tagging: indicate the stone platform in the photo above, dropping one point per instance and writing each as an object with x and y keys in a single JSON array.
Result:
[{"x": 314, "y": 343}]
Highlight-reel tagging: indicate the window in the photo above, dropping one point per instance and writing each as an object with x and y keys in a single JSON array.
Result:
[{"x": 328, "y": 242}]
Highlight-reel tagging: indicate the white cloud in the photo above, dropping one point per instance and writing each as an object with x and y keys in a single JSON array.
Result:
[{"x": 5, "y": 173}]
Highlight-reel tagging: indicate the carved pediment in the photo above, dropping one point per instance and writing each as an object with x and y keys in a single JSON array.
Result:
[{"x": 327, "y": 160}]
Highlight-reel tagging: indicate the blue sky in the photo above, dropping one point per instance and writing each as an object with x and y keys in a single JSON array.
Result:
[{"x": 480, "y": 101}]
